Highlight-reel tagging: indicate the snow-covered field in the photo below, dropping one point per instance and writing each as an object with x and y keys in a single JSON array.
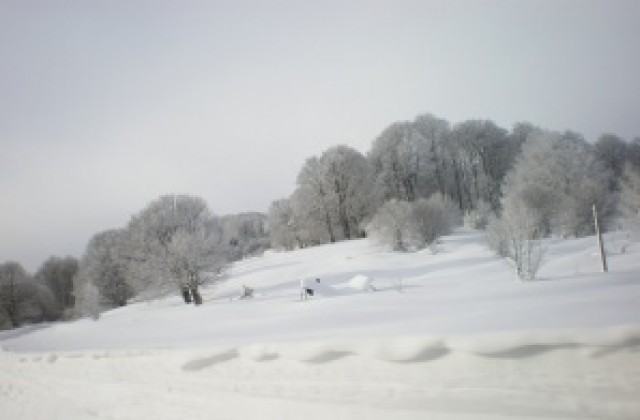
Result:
[{"x": 447, "y": 334}]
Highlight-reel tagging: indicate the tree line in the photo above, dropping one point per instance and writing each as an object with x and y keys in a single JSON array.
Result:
[
  {"x": 175, "y": 244},
  {"x": 418, "y": 179},
  {"x": 474, "y": 169}
]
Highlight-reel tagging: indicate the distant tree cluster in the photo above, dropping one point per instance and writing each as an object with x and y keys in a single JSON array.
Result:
[
  {"x": 521, "y": 185},
  {"x": 245, "y": 234},
  {"x": 629, "y": 183},
  {"x": 173, "y": 245},
  {"x": 419, "y": 179},
  {"x": 345, "y": 194},
  {"x": 47, "y": 296},
  {"x": 412, "y": 225}
]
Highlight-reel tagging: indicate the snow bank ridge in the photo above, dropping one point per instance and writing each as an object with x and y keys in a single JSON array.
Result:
[
  {"x": 413, "y": 349},
  {"x": 403, "y": 349}
]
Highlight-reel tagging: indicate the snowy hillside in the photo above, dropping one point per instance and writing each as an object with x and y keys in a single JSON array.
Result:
[{"x": 447, "y": 333}]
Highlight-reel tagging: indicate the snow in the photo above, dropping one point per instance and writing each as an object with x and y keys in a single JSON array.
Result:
[{"x": 447, "y": 333}]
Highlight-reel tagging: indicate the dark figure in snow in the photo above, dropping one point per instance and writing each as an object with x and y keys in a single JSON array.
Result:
[
  {"x": 307, "y": 288},
  {"x": 247, "y": 292}
]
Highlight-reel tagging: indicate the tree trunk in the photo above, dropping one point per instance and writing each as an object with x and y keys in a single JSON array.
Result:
[
  {"x": 342, "y": 211},
  {"x": 197, "y": 298},
  {"x": 438, "y": 169},
  {"x": 186, "y": 294},
  {"x": 193, "y": 286},
  {"x": 456, "y": 176},
  {"x": 327, "y": 220}
]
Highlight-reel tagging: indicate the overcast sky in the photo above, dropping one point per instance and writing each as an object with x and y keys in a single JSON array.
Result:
[{"x": 105, "y": 105}]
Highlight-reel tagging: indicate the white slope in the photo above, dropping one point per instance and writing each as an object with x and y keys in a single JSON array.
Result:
[{"x": 449, "y": 335}]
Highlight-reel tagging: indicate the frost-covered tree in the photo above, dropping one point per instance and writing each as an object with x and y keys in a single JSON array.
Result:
[
  {"x": 312, "y": 205},
  {"x": 16, "y": 293},
  {"x": 435, "y": 131},
  {"x": 404, "y": 161},
  {"x": 57, "y": 273},
  {"x": 349, "y": 180},
  {"x": 479, "y": 217},
  {"x": 282, "y": 226},
  {"x": 105, "y": 265},
  {"x": 480, "y": 154},
  {"x": 172, "y": 243},
  {"x": 516, "y": 235},
  {"x": 393, "y": 225},
  {"x": 558, "y": 178},
  {"x": 630, "y": 199},
  {"x": 519, "y": 134},
  {"x": 633, "y": 153},
  {"x": 611, "y": 151},
  {"x": 332, "y": 197},
  {"x": 86, "y": 299}
]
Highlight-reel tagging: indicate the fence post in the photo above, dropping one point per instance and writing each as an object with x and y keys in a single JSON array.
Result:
[{"x": 603, "y": 255}]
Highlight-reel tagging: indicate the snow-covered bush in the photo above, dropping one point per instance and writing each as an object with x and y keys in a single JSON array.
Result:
[
  {"x": 497, "y": 236},
  {"x": 516, "y": 235},
  {"x": 432, "y": 218},
  {"x": 392, "y": 225},
  {"x": 406, "y": 226},
  {"x": 479, "y": 217}
]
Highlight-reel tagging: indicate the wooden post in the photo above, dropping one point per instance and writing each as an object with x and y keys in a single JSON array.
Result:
[{"x": 603, "y": 255}]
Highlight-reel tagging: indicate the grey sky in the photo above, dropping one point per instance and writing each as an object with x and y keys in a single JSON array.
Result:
[{"x": 105, "y": 105}]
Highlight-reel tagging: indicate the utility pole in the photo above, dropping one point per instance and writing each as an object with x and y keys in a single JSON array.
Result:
[{"x": 603, "y": 255}]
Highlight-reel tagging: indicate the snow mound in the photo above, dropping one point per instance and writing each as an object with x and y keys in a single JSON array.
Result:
[{"x": 361, "y": 282}]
